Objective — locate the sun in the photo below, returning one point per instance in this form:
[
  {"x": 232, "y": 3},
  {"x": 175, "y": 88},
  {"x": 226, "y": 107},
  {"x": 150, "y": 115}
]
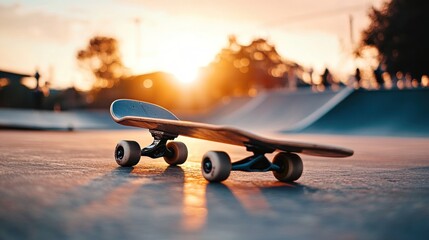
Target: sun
[
  {"x": 185, "y": 74},
  {"x": 185, "y": 65},
  {"x": 186, "y": 56},
  {"x": 183, "y": 56}
]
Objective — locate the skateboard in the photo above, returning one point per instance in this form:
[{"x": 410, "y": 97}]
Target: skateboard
[{"x": 216, "y": 166}]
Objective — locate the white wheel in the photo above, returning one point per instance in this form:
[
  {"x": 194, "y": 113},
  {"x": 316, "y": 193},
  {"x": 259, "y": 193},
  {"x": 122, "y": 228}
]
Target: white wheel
[
  {"x": 216, "y": 166},
  {"x": 180, "y": 153},
  {"x": 127, "y": 153},
  {"x": 291, "y": 167}
]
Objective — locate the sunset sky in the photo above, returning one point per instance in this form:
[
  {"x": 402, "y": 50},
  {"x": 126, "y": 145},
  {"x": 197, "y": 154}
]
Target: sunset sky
[{"x": 174, "y": 36}]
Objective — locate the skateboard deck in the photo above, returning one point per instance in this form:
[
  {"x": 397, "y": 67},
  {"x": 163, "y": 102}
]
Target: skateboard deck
[{"x": 155, "y": 118}]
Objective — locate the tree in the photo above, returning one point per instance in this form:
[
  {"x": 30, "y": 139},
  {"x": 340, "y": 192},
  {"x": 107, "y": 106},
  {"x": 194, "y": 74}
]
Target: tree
[
  {"x": 398, "y": 30},
  {"x": 243, "y": 69},
  {"x": 102, "y": 58}
]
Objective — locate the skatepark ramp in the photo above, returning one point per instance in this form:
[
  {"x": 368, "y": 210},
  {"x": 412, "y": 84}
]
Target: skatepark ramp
[
  {"x": 49, "y": 120},
  {"x": 281, "y": 110},
  {"x": 384, "y": 112},
  {"x": 355, "y": 112},
  {"x": 222, "y": 109}
]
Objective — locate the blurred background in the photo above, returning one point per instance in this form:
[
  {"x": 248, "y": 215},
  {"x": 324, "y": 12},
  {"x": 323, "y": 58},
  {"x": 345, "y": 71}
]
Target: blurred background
[
  {"x": 199, "y": 58},
  {"x": 321, "y": 71}
]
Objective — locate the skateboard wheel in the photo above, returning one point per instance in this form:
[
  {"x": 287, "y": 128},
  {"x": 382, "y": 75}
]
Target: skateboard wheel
[
  {"x": 291, "y": 167},
  {"x": 216, "y": 166},
  {"x": 127, "y": 153},
  {"x": 180, "y": 153}
]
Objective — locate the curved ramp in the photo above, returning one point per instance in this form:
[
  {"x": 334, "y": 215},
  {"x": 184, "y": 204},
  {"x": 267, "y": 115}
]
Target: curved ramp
[
  {"x": 49, "y": 120},
  {"x": 220, "y": 110},
  {"x": 383, "y": 112},
  {"x": 283, "y": 110}
]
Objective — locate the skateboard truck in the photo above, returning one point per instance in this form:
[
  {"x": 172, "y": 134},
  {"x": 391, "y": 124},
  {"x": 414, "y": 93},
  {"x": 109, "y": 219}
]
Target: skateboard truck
[
  {"x": 158, "y": 148},
  {"x": 256, "y": 163}
]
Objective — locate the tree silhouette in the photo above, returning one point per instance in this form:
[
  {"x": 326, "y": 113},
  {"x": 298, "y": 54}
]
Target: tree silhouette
[
  {"x": 240, "y": 69},
  {"x": 398, "y": 30},
  {"x": 102, "y": 58}
]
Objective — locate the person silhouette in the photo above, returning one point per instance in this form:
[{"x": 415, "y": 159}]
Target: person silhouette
[
  {"x": 378, "y": 74},
  {"x": 358, "y": 77},
  {"x": 38, "y": 93},
  {"x": 326, "y": 78}
]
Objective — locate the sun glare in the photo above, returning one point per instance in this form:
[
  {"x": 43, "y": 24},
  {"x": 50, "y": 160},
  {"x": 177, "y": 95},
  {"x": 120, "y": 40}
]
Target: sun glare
[
  {"x": 185, "y": 74},
  {"x": 185, "y": 61},
  {"x": 183, "y": 56}
]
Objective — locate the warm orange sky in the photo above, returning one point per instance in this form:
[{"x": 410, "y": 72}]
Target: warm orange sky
[{"x": 174, "y": 36}]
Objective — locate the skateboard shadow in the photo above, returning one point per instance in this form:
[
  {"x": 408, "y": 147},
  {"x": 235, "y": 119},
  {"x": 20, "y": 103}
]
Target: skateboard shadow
[
  {"x": 230, "y": 203},
  {"x": 182, "y": 200},
  {"x": 170, "y": 173},
  {"x": 173, "y": 171},
  {"x": 203, "y": 203},
  {"x": 122, "y": 171},
  {"x": 208, "y": 202},
  {"x": 268, "y": 190}
]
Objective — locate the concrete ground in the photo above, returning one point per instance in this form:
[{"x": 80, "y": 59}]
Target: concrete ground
[{"x": 56, "y": 185}]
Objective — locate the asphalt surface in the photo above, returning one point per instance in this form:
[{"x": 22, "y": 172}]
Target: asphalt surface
[{"x": 66, "y": 185}]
